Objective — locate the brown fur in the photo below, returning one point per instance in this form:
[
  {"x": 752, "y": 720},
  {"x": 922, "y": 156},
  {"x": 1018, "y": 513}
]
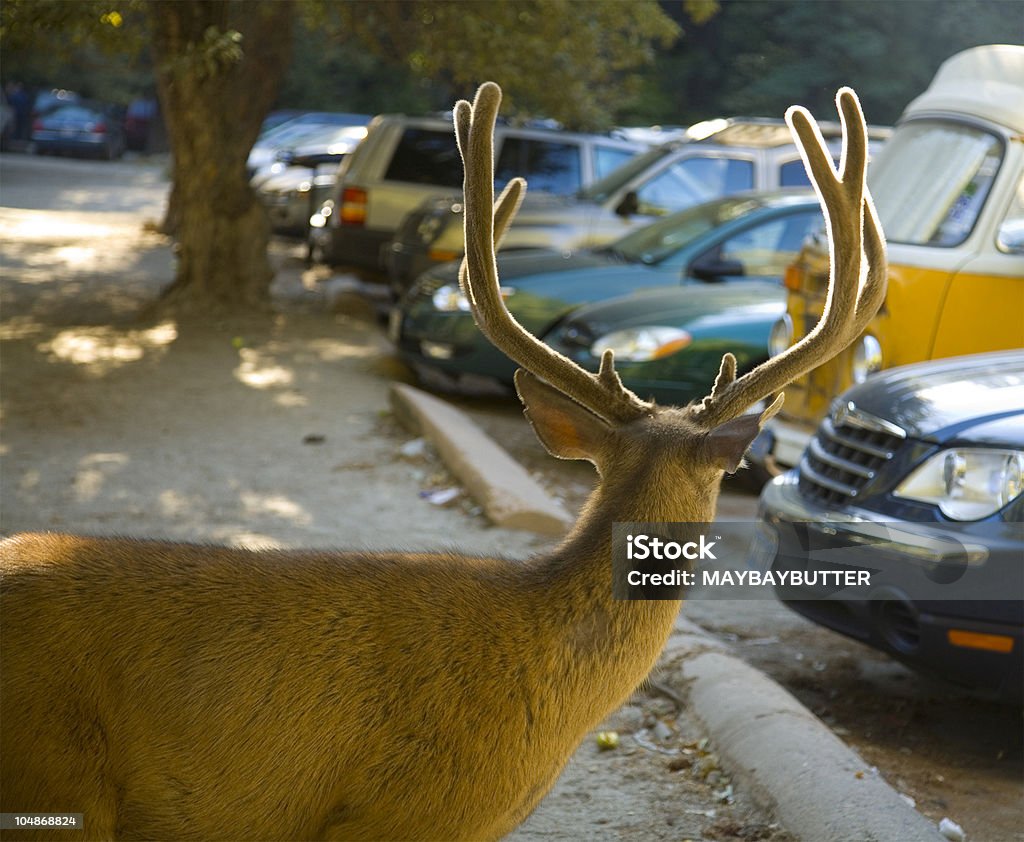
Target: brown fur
[{"x": 175, "y": 691}]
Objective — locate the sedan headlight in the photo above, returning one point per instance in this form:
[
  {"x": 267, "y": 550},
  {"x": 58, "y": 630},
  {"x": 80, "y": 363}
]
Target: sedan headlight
[
  {"x": 967, "y": 483},
  {"x": 450, "y": 298},
  {"x": 867, "y": 358},
  {"x": 640, "y": 344}
]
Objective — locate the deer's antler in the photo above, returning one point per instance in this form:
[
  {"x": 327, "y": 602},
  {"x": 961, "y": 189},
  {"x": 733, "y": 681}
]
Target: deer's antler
[
  {"x": 485, "y": 223},
  {"x": 854, "y": 234}
]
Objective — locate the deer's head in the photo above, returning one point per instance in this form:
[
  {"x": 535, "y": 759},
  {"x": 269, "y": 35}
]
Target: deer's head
[{"x": 683, "y": 450}]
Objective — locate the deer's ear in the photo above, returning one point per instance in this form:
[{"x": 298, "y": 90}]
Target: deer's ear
[
  {"x": 567, "y": 429},
  {"x": 727, "y": 443}
]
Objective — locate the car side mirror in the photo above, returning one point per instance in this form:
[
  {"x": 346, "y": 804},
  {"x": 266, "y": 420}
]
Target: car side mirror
[
  {"x": 713, "y": 269},
  {"x": 629, "y": 205}
]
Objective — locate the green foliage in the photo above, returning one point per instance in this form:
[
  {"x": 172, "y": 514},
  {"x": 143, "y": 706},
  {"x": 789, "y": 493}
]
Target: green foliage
[
  {"x": 758, "y": 58},
  {"x": 95, "y": 48},
  {"x": 217, "y": 51},
  {"x": 576, "y": 62}
]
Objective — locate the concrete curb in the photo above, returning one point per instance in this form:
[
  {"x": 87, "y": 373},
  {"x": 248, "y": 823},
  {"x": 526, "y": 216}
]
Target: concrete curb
[
  {"x": 818, "y": 787},
  {"x": 509, "y": 496}
]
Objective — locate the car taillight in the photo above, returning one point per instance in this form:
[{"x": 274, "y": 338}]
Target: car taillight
[
  {"x": 37, "y": 125},
  {"x": 353, "y": 206},
  {"x": 99, "y": 128}
]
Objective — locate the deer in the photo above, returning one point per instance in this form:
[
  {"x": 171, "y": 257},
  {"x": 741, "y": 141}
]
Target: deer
[{"x": 181, "y": 691}]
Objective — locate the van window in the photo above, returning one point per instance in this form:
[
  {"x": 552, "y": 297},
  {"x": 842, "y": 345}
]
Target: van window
[
  {"x": 692, "y": 181},
  {"x": 426, "y": 156},
  {"x": 548, "y": 166},
  {"x": 932, "y": 182}
]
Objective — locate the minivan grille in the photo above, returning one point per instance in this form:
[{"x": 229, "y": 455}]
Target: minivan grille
[{"x": 842, "y": 460}]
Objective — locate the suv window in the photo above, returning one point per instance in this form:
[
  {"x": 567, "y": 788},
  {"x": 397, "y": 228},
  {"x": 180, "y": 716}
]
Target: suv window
[
  {"x": 426, "y": 156},
  {"x": 609, "y": 158},
  {"x": 793, "y": 174},
  {"x": 946, "y": 171},
  {"x": 692, "y": 181},
  {"x": 548, "y": 166}
]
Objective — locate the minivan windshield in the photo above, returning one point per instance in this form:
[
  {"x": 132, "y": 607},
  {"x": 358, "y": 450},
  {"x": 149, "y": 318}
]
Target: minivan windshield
[
  {"x": 932, "y": 181},
  {"x": 660, "y": 240}
]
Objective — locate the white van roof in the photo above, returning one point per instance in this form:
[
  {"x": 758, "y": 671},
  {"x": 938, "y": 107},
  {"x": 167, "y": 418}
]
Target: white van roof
[{"x": 986, "y": 82}]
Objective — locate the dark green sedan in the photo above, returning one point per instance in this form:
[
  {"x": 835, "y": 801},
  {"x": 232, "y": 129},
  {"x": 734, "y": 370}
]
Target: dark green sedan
[
  {"x": 669, "y": 343},
  {"x": 706, "y": 249}
]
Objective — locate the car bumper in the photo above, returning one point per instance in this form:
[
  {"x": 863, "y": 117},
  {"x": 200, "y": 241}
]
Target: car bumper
[
  {"x": 960, "y": 640},
  {"x": 351, "y": 247},
  {"x": 449, "y": 353}
]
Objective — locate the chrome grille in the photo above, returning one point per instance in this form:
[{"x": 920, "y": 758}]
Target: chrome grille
[{"x": 844, "y": 457}]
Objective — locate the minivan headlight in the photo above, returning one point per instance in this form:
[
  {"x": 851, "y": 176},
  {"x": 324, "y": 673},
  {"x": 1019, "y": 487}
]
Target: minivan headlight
[
  {"x": 640, "y": 344},
  {"x": 967, "y": 483},
  {"x": 867, "y": 358}
]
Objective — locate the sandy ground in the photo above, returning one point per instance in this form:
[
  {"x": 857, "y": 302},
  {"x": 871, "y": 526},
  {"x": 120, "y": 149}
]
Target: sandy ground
[{"x": 277, "y": 433}]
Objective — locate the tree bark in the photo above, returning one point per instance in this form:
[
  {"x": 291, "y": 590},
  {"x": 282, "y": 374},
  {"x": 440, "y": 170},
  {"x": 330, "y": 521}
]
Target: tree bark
[{"x": 215, "y": 91}]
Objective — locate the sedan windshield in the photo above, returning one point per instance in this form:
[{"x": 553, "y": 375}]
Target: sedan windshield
[{"x": 658, "y": 241}]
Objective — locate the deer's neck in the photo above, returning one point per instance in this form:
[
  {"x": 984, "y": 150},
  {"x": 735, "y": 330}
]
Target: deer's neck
[{"x": 617, "y": 640}]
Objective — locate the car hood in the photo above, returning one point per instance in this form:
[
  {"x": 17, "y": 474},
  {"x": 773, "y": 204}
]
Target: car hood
[
  {"x": 694, "y": 306},
  {"x": 944, "y": 399},
  {"x": 288, "y": 178},
  {"x": 541, "y": 263}
]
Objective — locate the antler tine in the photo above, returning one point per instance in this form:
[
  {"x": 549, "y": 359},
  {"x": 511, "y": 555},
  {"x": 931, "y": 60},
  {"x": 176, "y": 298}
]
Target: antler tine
[
  {"x": 485, "y": 223},
  {"x": 855, "y": 239}
]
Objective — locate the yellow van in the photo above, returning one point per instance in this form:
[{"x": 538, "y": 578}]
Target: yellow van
[{"x": 949, "y": 188}]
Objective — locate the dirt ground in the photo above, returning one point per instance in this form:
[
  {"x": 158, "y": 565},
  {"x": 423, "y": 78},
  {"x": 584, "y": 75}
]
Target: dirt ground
[{"x": 276, "y": 432}]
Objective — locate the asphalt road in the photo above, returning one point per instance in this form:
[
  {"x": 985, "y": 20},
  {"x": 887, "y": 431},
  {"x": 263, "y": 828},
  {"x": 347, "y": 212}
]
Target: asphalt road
[{"x": 953, "y": 754}]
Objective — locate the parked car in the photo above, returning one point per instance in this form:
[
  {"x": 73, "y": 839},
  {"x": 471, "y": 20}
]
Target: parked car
[
  {"x": 916, "y": 476},
  {"x": 717, "y": 158},
  {"x": 949, "y": 190},
  {"x": 301, "y": 178},
  {"x": 739, "y": 238},
  {"x": 295, "y": 132},
  {"x": 80, "y": 128},
  {"x": 668, "y": 343},
  {"x": 405, "y": 160}
]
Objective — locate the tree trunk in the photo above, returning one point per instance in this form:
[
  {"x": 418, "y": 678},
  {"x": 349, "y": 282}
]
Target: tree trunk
[{"x": 215, "y": 89}]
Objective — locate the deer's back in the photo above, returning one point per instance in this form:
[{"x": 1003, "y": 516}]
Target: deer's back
[{"x": 178, "y": 690}]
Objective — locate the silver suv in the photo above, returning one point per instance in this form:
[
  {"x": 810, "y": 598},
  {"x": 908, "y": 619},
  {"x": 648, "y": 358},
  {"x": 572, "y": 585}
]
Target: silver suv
[
  {"x": 404, "y": 160},
  {"x": 717, "y": 158}
]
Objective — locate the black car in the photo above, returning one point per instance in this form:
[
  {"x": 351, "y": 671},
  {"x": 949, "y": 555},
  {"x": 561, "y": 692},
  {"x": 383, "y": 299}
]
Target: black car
[{"x": 915, "y": 480}]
